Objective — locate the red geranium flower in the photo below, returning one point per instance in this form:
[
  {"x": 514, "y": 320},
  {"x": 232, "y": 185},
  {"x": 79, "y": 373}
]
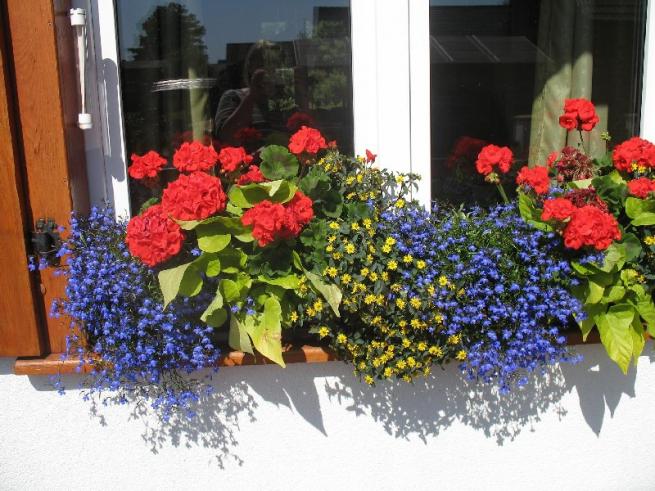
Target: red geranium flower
[
  {"x": 194, "y": 197},
  {"x": 306, "y": 140},
  {"x": 299, "y": 119},
  {"x": 465, "y": 152},
  {"x": 642, "y": 187},
  {"x": 557, "y": 209},
  {"x": 552, "y": 158},
  {"x": 300, "y": 212},
  {"x": 194, "y": 156},
  {"x": 144, "y": 166},
  {"x": 254, "y": 175},
  {"x": 579, "y": 114},
  {"x": 634, "y": 151},
  {"x": 232, "y": 157},
  {"x": 535, "y": 177},
  {"x": 153, "y": 237},
  {"x": 248, "y": 134},
  {"x": 370, "y": 156},
  {"x": 491, "y": 156},
  {"x": 591, "y": 227},
  {"x": 267, "y": 220}
]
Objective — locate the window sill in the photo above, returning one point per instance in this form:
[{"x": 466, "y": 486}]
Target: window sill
[{"x": 53, "y": 365}]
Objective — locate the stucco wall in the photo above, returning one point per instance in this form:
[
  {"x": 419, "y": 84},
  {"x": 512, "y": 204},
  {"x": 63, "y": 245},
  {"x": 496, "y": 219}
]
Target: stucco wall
[{"x": 317, "y": 427}]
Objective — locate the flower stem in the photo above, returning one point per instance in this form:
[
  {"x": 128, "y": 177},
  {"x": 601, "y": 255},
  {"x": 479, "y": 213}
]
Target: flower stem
[{"x": 501, "y": 190}]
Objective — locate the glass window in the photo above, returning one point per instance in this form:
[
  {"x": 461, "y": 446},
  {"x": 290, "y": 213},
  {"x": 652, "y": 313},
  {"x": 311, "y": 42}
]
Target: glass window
[
  {"x": 501, "y": 69},
  {"x": 236, "y": 73}
]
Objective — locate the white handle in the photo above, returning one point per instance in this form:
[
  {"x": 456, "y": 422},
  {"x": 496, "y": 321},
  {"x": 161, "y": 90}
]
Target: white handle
[{"x": 78, "y": 22}]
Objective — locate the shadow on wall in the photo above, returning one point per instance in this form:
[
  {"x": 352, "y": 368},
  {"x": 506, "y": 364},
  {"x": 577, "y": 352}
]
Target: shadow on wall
[{"x": 406, "y": 411}]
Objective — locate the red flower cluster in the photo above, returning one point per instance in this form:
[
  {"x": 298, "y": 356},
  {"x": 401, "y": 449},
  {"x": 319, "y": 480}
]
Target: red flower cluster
[
  {"x": 579, "y": 114},
  {"x": 465, "y": 151},
  {"x": 248, "y": 134},
  {"x": 153, "y": 237},
  {"x": 146, "y": 166},
  {"x": 272, "y": 221},
  {"x": 298, "y": 120},
  {"x": 588, "y": 225},
  {"x": 491, "y": 156},
  {"x": 584, "y": 197},
  {"x": 370, "y": 156},
  {"x": 535, "y": 177},
  {"x": 642, "y": 187},
  {"x": 634, "y": 151},
  {"x": 306, "y": 140},
  {"x": 254, "y": 175},
  {"x": 194, "y": 156},
  {"x": 557, "y": 209},
  {"x": 194, "y": 197},
  {"x": 592, "y": 227},
  {"x": 232, "y": 157}
]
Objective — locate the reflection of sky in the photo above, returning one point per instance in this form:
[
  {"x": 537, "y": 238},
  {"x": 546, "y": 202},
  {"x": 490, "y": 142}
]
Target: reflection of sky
[
  {"x": 228, "y": 21},
  {"x": 467, "y": 3}
]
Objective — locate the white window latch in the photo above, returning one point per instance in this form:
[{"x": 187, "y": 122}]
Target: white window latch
[{"x": 78, "y": 22}]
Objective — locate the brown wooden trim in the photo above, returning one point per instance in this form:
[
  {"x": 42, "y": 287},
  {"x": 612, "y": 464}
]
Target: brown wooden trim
[
  {"x": 53, "y": 365},
  {"x": 20, "y": 327},
  {"x": 46, "y": 90}
]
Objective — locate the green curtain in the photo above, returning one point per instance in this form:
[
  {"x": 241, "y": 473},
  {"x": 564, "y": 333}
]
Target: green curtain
[{"x": 564, "y": 70}]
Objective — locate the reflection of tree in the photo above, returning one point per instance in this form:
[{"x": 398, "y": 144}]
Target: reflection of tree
[{"x": 174, "y": 37}]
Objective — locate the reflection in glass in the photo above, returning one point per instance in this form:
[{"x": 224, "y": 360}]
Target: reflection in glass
[
  {"x": 501, "y": 69},
  {"x": 232, "y": 73}
]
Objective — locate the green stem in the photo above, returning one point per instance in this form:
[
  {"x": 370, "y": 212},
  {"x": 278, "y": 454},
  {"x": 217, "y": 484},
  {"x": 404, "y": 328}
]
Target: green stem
[{"x": 501, "y": 190}]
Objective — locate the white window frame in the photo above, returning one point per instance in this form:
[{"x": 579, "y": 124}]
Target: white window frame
[{"x": 391, "y": 92}]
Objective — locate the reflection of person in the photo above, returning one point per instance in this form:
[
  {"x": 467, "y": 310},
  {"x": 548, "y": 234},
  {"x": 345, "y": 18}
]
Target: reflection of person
[{"x": 248, "y": 107}]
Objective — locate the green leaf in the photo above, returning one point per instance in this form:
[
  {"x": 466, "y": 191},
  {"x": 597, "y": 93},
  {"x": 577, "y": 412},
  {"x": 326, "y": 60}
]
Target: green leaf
[
  {"x": 638, "y": 339},
  {"x": 588, "y": 324},
  {"x": 530, "y": 214},
  {"x": 315, "y": 183},
  {"x": 216, "y": 304},
  {"x": 594, "y": 292},
  {"x": 331, "y": 204},
  {"x": 642, "y": 211},
  {"x": 147, "y": 204},
  {"x": 237, "y": 337},
  {"x": 612, "y": 189},
  {"x": 211, "y": 242},
  {"x": 619, "y": 253},
  {"x": 232, "y": 260},
  {"x": 267, "y": 333},
  {"x": 613, "y": 294},
  {"x": 581, "y": 184},
  {"x": 646, "y": 310},
  {"x": 249, "y": 195},
  {"x": 235, "y": 290},
  {"x": 290, "y": 282},
  {"x": 331, "y": 293},
  {"x": 615, "y": 333},
  {"x": 588, "y": 269},
  {"x": 297, "y": 262},
  {"x": 182, "y": 279},
  {"x": 213, "y": 267},
  {"x": 217, "y": 318},
  {"x": 278, "y": 163}
]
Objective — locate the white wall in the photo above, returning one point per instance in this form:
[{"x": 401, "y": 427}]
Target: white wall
[{"x": 316, "y": 427}]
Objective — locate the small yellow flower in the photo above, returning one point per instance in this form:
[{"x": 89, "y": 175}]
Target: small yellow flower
[
  {"x": 411, "y": 362},
  {"x": 443, "y": 281},
  {"x": 350, "y": 248},
  {"x": 436, "y": 351},
  {"x": 293, "y": 317},
  {"x": 392, "y": 265},
  {"x": 420, "y": 264},
  {"x": 337, "y": 256},
  {"x": 400, "y": 203},
  {"x": 400, "y": 179},
  {"x": 650, "y": 240},
  {"x": 390, "y": 241},
  {"x": 388, "y": 372},
  {"x": 400, "y": 364},
  {"x": 331, "y": 272},
  {"x": 323, "y": 331},
  {"x": 371, "y": 248},
  {"x": 406, "y": 343},
  {"x": 354, "y": 226},
  {"x": 318, "y": 305},
  {"x": 431, "y": 290},
  {"x": 371, "y": 232},
  {"x": 422, "y": 346},
  {"x": 360, "y": 178},
  {"x": 369, "y": 299},
  {"x": 402, "y": 323},
  {"x": 385, "y": 276},
  {"x": 350, "y": 195},
  {"x": 438, "y": 318},
  {"x": 367, "y": 223},
  {"x": 386, "y": 248},
  {"x": 350, "y": 180},
  {"x": 408, "y": 259},
  {"x": 379, "y": 300},
  {"x": 407, "y": 378},
  {"x": 334, "y": 226},
  {"x": 415, "y": 302},
  {"x": 369, "y": 380},
  {"x": 345, "y": 278},
  {"x": 331, "y": 238},
  {"x": 373, "y": 276},
  {"x": 341, "y": 338},
  {"x": 364, "y": 272},
  {"x": 310, "y": 312},
  {"x": 369, "y": 258},
  {"x": 415, "y": 323},
  {"x": 362, "y": 365},
  {"x": 396, "y": 288},
  {"x": 454, "y": 339},
  {"x": 329, "y": 248},
  {"x": 461, "y": 355}
]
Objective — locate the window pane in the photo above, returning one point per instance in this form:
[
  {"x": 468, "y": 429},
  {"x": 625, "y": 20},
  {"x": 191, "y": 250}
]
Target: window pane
[
  {"x": 238, "y": 73},
  {"x": 501, "y": 69}
]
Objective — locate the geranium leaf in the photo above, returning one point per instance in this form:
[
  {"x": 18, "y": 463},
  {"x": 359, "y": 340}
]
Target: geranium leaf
[
  {"x": 290, "y": 282},
  {"x": 213, "y": 267},
  {"x": 588, "y": 324},
  {"x": 215, "y": 304},
  {"x": 646, "y": 310},
  {"x": 331, "y": 293},
  {"x": 182, "y": 279},
  {"x": 638, "y": 340},
  {"x": 615, "y": 333},
  {"x": 249, "y": 195},
  {"x": 267, "y": 333},
  {"x": 212, "y": 237},
  {"x": 238, "y": 337},
  {"x": 278, "y": 163},
  {"x": 217, "y": 318}
]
